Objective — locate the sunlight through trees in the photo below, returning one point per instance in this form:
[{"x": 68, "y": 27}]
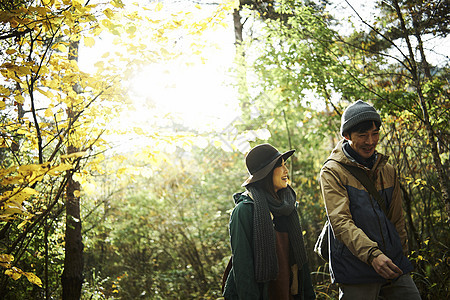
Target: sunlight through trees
[{"x": 124, "y": 127}]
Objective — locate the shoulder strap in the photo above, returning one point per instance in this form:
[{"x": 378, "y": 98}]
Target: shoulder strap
[
  {"x": 361, "y": 175},
  {"x": 226, "y": 272}
]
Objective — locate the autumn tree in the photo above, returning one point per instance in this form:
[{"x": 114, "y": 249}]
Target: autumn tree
[
  {"x": 40, "y": 81},
  {"x": 54, "y": 118}
]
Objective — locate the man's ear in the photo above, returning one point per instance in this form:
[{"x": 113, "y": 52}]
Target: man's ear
[{"x": 347, "y": 136}]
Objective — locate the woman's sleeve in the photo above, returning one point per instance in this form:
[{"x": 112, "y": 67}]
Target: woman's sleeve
[
  {"x": 241, "y": 232},
  {"x": 307, "y": 286}
]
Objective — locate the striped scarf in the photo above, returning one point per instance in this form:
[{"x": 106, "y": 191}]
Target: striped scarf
[{"x": 265, "y": 255}]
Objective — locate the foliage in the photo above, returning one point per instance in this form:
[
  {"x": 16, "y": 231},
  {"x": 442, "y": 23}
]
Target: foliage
[
  {"x": 155, "y": 221},
  {"x": 167, "y": 239}
]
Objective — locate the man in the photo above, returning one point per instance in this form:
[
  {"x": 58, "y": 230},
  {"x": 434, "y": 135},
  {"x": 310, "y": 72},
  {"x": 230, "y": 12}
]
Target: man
[{"x": 368, "y": 244}]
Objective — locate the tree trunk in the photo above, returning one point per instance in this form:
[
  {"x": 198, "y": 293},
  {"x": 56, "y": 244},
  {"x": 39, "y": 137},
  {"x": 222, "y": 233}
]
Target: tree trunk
[
  {"x": 237, "y": 27},
  {"x": 72, "y": 277},
  {"x": 46, "y": 283}
]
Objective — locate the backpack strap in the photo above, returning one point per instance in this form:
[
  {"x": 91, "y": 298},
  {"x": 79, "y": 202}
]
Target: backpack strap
[{"x": 226, "y": 273}]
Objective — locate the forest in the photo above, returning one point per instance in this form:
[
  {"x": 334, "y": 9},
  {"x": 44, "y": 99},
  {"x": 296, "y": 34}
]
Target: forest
[{"x": 103, "y": 196}]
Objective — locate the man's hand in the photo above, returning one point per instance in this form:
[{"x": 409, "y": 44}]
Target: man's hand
[{"x": 384, "y": 266}]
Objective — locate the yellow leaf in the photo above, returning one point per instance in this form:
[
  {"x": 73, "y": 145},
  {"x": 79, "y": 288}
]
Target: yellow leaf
[
  {"x": 41, "y": 10},
  {"x": 60, "y": 168},
  {"x": 100, "y": 157},
  {"x": 159, "y": 6},
  {"x": 89, "y": 41},
  {"x": 234, "y": 4},
  {"x": 99, "y": 65},
  {"x": 33, "y": 278},
  {"x": 29, "y": 168},
  {"x": 6, "y": 258},
  {"x": 29, "y": 191},
  {"x": 107, "y": 23},
  {"x": 4, "y": 91},
  {"x": 48, "y": 112},
  {"x": 22, "y": 224},
  {"x": 164, "y": 52},
  {"x": 76, "y": 193},
  {"x": 19, "y": 99},
  {"x": 121, "y": 171},
  {"x": 61, "y": 48},
  {"x": 22, "y": 131},
  {"x": 118, "y": 3},
  {"x": 73, "y": 155},
  {"x": 18, "y": 196},
  {"x": 14, "y": 273},
  {"x": 48, "y": 2},
  {"x": 138, "y": 130},
  {"x": 2, "y": 105},
  {"x": 74, "y": 64},
  {"x": 109, "y": 13},
  {"x": 131, "y": 29},
  {"x": 10, "y": 51},
  {"x": 46, "y": 93}
]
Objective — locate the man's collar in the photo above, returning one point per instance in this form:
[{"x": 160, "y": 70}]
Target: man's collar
[{"x": 351, "y": 153}]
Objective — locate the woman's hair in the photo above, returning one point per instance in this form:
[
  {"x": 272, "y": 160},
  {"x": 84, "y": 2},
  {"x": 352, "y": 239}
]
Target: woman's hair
[{"x": 267, "y": 182}]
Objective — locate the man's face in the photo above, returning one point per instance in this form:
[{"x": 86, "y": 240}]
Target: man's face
[{"x": 364, "y": 143}]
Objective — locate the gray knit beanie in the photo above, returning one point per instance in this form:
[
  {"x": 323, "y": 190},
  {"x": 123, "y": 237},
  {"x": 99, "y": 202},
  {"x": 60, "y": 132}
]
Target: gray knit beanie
[{"x": 356, "y": 113}]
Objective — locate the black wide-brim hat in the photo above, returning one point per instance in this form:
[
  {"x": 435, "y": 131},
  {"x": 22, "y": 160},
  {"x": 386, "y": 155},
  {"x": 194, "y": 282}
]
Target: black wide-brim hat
[{"x": 261, "y": 159}]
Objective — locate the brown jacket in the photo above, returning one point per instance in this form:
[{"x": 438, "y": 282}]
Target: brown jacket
[{"x": 358, "y": 222}]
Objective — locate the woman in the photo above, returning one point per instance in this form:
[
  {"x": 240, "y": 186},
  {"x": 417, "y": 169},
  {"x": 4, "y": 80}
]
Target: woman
[{"x": 269, "y": 258}]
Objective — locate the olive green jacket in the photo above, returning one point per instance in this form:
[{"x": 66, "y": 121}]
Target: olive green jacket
[{"x": 241, "y": 282}]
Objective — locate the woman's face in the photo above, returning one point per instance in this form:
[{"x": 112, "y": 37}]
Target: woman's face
[{"x": 280, "y": 177}]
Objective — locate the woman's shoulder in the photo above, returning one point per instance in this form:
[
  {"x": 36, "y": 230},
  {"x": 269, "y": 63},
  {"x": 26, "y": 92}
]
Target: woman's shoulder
[
  {"x": 243, "y": 205},
  {"x": 244, "y": 198},
  {"x": 243, "y": 212}
]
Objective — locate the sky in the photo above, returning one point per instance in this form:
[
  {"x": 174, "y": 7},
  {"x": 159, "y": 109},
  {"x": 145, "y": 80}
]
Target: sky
[
  {"x": 190, "y": 91},
  {"x": 195, "y": 94}
]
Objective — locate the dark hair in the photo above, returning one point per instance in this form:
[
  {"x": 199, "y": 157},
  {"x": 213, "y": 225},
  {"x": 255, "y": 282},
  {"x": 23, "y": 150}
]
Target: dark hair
[
  {"x": 267, "y": 182},
  {"x": 363, "y": 127}
]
